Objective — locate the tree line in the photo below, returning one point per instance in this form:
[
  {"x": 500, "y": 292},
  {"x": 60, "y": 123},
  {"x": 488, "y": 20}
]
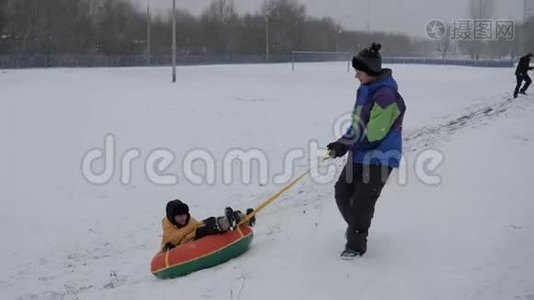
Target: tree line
[{"x": 116, "y": 27}]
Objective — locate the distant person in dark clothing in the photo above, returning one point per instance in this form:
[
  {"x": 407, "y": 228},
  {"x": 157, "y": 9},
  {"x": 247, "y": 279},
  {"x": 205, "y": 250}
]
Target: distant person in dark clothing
[{"x": 521, "y": 73}]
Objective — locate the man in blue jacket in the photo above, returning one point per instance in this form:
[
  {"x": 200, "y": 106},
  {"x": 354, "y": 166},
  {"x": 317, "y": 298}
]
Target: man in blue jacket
[{"x": 375, "y": 142}]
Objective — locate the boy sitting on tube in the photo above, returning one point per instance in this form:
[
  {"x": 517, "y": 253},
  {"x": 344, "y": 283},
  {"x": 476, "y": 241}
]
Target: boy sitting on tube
[{"x": 180, "y": 228}]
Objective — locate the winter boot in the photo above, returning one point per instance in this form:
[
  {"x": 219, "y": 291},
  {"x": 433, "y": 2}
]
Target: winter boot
[
  {"x": 356, "y": 244},
  {"x": 349, "y": 254},
  {"x": 222, "y": 225},
  {"x": 239, "y": 216},
  {"x": 252, "y": 220},
  {"x": 231, "y": 217}
]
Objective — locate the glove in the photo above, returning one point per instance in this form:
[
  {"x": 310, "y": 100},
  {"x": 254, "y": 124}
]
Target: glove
[
  {"x": 337, "y": 149},
  {"x": 168, "y": 247},
  {"x": 252, "y": 220}
]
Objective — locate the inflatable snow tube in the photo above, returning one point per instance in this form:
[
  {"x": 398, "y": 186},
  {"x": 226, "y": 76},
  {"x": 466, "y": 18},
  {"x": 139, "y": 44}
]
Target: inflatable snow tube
[{"x": 201, "y": 254}]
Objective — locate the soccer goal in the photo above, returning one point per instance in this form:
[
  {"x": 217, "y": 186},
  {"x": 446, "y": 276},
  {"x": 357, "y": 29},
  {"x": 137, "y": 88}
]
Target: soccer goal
[{"x": 318, "y": 56}]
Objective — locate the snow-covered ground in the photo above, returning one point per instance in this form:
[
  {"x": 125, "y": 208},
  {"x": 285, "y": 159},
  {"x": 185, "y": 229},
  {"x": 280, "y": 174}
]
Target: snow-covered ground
[{"x": 468, "y": 237}]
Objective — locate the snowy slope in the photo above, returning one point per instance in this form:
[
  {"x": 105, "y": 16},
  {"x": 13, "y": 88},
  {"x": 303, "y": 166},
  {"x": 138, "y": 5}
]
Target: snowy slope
[{"x": 63, "y": 238}]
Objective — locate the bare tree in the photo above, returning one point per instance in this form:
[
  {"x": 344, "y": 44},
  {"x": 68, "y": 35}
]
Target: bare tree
[
  {"x": 479, "y": 10},
  {"x": 2, "y": 14},
  {"x": 287, "y": 22},
  {"x": 220, "y": 27},
  {"x": 444, "y": 45},
  {"x": 220, "y": 11},
  {"x": 115, "y": 27},
  {"x": 525, "y": 35},
  {"x": 4, "y": 34},
  {"x": 482, "y": 9}
]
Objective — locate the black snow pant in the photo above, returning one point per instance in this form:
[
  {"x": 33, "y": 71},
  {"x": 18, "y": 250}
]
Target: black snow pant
[
  {"x": 520, "y": 78},
  {"x": 356, "y": 192}
]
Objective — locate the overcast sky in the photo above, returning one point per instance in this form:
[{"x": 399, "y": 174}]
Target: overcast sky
[{"x": 404, "y": 16}]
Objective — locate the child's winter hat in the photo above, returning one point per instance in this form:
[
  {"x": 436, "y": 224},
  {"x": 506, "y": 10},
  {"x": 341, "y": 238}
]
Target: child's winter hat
[
  {"x": 176, "y": 207},
  {"x": 369, "y": 60}
]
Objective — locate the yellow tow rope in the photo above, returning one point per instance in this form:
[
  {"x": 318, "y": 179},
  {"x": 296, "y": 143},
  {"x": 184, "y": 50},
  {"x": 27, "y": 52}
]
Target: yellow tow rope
[{"x": 277, "y": 194}]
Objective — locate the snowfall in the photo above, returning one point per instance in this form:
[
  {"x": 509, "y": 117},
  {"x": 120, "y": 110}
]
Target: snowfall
[{"x": 457, "y": 222}]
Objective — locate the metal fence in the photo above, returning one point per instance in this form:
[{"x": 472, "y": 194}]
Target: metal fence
[
  {"x": 317, "y": 56},
  {"x": 73, "y": 61},
  {"x": 498, "y": 63}
]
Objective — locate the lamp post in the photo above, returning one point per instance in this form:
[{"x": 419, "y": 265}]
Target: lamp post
[
  {"x": 148, "y": 33},
  {"x": 173, "y": 40},
  {"x": 267, "y": 38},
  {"x": 339, "y": 32}
]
